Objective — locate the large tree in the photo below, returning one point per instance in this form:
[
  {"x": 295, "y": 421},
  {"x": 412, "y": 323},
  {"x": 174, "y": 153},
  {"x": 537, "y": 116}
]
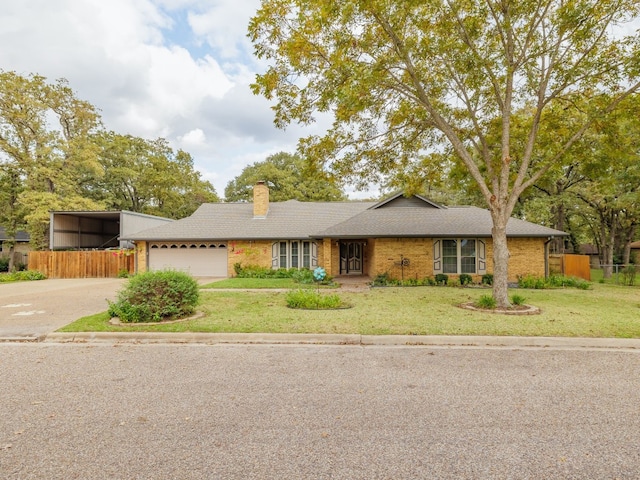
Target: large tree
[
  {"x": 611, "y": 192},
  {"x": 288, "y": 177},
  {"x": 403, "y": 78},
  {"x": 45, "y": 151},
  {"x": 147, "y": 176}
]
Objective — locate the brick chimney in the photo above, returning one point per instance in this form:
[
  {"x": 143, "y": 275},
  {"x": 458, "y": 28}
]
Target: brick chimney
[{"x": 260, "y": 200}]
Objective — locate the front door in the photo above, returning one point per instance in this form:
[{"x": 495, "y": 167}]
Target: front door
[{"x": 351, "y": 256}]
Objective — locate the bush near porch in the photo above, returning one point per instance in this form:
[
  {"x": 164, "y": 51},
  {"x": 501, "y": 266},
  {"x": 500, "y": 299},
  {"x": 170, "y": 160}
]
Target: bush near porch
[{"x": 302, "y": 275}]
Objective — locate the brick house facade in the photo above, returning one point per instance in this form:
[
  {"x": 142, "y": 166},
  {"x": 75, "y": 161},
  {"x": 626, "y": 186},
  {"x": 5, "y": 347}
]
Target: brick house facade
[{"x": 405, "y": 237}]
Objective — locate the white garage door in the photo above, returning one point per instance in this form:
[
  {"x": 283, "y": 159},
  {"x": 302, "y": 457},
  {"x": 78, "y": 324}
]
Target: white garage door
[{"x": 198, "y": 259}]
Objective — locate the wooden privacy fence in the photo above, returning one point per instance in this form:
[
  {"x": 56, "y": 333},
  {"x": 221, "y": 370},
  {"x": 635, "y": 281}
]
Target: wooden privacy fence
[
  {"x": 81, "y": 264},
  {"x": 571, "y": 265}
]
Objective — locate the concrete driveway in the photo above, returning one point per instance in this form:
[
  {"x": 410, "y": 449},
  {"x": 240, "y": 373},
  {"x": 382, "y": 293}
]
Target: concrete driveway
[{"x": 33, "y": 309}]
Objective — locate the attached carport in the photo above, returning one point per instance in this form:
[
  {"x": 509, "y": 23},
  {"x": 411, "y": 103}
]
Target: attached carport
[
  {"x": 200, "y": 259},
  {"x": 95, "y": 230}
]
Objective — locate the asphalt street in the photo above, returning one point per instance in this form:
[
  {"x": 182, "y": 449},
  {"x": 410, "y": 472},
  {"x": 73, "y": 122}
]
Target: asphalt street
[{"x": 126, "y": 411}]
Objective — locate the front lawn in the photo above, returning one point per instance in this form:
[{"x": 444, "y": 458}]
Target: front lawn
[{"x": 604, "y": 311}]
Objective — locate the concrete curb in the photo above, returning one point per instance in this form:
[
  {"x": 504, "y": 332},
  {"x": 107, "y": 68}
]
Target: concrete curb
[
  {"x": 22, "y": 339},
  {"x": 631, "y": 344}
]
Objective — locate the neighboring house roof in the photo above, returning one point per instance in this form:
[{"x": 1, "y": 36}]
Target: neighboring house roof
[
  {"x": 588, "y": 249},
  {"x": 21, "y": 236},
  {"x": 635, "y": 245},
  {"x": 235, "y": 221},
  {"x": 393, "y": 217}
]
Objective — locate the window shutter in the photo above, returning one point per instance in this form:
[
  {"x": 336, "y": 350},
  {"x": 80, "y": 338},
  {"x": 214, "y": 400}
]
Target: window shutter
[
  {"x": 314, "y": 255},
  {"x": 275, "y": 251},
  {"x": 437, "y": 257},
  {"x": 482, "y": 257}
]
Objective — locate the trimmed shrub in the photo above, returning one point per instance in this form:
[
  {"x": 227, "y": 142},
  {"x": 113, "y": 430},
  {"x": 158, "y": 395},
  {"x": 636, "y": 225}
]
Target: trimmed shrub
[
  {"x": 255, "y": 271},
  {"x": 442, "y": 279},
  {"x": 487, "y": 279},
  {"x": 465, "y": 279},
  {"x": 313, "y": 300},
  {"x": 156, "y": 296}
]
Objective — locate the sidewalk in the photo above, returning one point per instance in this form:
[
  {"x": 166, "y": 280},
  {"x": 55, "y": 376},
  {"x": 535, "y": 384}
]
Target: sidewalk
[{"x": 442, "y": 341}]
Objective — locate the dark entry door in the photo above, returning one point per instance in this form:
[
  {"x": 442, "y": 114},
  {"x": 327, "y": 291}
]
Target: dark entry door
[{"x": 351, "y": 258}]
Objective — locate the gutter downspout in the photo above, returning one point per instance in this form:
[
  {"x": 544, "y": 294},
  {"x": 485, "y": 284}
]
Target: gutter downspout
[{"x": 546, "y": 256}]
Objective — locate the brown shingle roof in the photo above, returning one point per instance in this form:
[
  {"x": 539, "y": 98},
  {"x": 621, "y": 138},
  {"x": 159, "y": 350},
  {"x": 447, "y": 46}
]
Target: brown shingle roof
[
  {"x": 21, "y": 235},
  {"x": 430, "y": 222},
  {"x": 299, "y": 220},
  {"x": 234, "y": 221}
]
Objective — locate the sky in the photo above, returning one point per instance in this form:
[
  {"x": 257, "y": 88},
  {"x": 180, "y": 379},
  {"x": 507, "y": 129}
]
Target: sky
[{"x": 177, "y": 69}]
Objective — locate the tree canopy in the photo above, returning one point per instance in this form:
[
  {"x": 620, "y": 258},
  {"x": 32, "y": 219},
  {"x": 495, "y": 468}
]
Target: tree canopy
[
  {"x": 55, "y": 155},
  {"x": 288, "y": 177},
  {"x": 43, "y": 163},
  {"x": 405, "y": 79},
  {"x": 147, "y": 176}
]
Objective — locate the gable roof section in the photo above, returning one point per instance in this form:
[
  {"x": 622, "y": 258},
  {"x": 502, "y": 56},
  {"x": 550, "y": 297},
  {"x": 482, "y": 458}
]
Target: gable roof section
[
  {"x": 235, "y": 221},
  {"x": 399, "y": 200},
  {"x": 430, "y": 222}
]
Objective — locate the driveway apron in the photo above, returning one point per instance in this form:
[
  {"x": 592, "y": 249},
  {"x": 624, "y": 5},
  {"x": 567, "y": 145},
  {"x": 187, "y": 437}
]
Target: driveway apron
[{"x": 33, "y": 309}]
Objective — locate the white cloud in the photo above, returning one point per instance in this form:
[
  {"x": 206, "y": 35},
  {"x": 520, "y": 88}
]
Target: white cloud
[
  {"x": 178, "y": 69},
  {"x": 226, "y": 37},
  {"x": 193, "y": 138}
]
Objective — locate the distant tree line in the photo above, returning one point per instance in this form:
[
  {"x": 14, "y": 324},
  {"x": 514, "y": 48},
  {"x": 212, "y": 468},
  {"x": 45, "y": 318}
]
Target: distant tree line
[{"x": 56, "y": 155}]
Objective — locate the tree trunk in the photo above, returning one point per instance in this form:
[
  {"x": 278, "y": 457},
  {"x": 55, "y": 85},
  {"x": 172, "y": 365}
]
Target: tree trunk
[
  {"x": 628, "y": 238},
  {"x": 12, "y": 262},
  {"x": 608, "y": 237},
  {"x": 500, "y": 264}
]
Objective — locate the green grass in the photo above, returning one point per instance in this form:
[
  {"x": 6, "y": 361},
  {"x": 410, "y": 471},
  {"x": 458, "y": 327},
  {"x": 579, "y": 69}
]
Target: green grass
[
  {"x": 314, "y": 300},
  {"x": 597, "y": 276},
  {"x": 604, "y": 311},
  {"x": 266, "y": 283},
  {"x": 21, "y": 276}
]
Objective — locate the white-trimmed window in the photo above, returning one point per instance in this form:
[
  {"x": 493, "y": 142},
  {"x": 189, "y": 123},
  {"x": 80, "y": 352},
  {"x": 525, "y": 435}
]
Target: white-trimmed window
[
  {"x": 459, "y": 255},
  {"x": 294, "y": 254}
]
